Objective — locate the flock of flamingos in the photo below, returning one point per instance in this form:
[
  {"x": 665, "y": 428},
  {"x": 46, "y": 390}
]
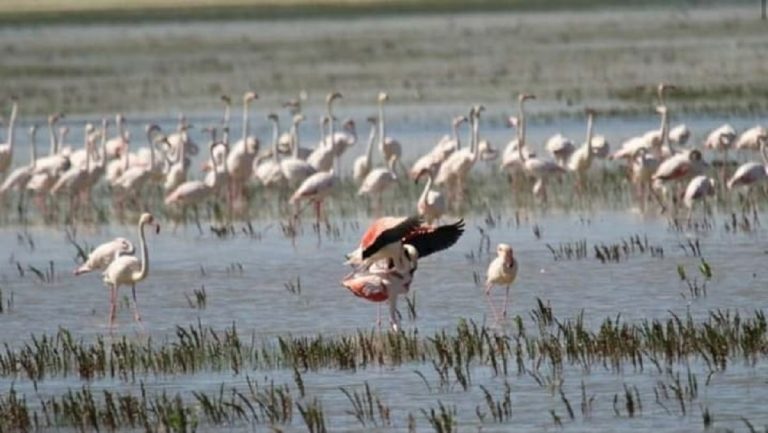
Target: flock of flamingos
[{"x": 659, "y": 168}]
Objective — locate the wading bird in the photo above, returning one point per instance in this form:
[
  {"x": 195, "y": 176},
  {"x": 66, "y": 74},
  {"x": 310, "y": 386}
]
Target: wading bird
[
  {"x": 101, "y": 256},
  {"x": 502, "y": 271},
  {"x": 128, "y": 270}
]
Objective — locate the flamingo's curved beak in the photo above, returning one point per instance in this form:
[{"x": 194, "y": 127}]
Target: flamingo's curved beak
[{"x": 157, "y": 228}]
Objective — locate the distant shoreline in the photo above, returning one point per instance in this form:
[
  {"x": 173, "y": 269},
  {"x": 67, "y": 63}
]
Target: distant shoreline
[{"x": 64, "y": 12}]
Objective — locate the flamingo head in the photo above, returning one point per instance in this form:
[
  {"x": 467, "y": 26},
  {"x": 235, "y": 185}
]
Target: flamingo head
[
  {"x": 458, "y": 120},
  {"x": 512, "y": 121},
  {"x": 487, "y": 152},
  {"x": 589, "y": 111},
  {"x": 332, "y": 97},
  {"x": 661, "y": 109},
  {"x": 298, "y": 118},
  {"x": 695, "y": 155},
  {"x": 383, "y": 97},
  {"x": 126, "y": 246},
  {"x": 226, "y": 99},
  {"x": 250, "y": 96},
  {"x": 349, "y": 124},
  {"x": 525, "y": 96},
  {"x": 147, "y": 218},
  {"x": 505, "y": 252},
  {"x": 372, "y": 120},
  {"x": 273, "y": 117}
]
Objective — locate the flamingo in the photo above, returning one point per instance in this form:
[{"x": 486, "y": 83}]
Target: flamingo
[
  {"x": 315, "y": 189},
  {"x": 129, "y": 270},
  {"x": 98, "y": 167},
  {"x": 561, "y": 148},
  {"x": 510, "y": 158},
  {"x": 180, "y": 139},
  {"x": 388, "y": 146},
  {"x": 332, "y": 145},
  {"x": 194, "y": 192},
  {"x": 269, "y": 172},
  {"x": 643, "y": 166},
  {"x": 538, "y": 168},
  {"x": 379, "y": 180},
  {"x": 750, "y": 174},
  {"x": 581, "y": 160},
  {"x": 382, "y": 283},
  {"x": 6, "y": 150},
  {"x": 502, "y": 271},
  {"x": 433, "y": 159},
  {"x": 384, "y": 238},
  {"x": 119, "y": 143},
  {"x": 295, "y": 168},
  {"x": 750, "y": 139},
  {"x": 456, "y": 168},
  {"x": 104, "y": 254},
  {"x": 135, "y": 177},
  {"x": 20, "y": 176},
  {"x": 431, "y": 203},
  {"x": 679, "y": 134},
  {"x": 242, "y": 153},
  {"x": 721, "y": 140},
  {"x": 362, "y": 165},
  {"x": 49, "y": 168},
  {"x": 698, "y": 189},
  {"x": 74, "y": 180},
  {"x": 176, "y": 174},
  {"x": 385, "y": 277}
]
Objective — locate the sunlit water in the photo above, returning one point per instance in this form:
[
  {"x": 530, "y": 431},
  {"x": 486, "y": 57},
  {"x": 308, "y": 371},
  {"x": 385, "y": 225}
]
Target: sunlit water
[{"x": 245, "y": 278}]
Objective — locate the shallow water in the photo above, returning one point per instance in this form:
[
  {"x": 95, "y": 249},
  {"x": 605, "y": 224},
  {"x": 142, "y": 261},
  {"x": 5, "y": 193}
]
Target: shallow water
[{"x": 255, "y": 299}]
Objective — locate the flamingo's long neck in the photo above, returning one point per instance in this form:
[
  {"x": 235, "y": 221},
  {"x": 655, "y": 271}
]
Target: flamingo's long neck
[
  {"x": 87, "y": 152},
  {"x": 33, "y": 148},
  {"x": 664, "y": 131},
  {"x": 427, "y": 187},
  {"x": 295, "y": 140},
  {"x": 246, "y": 126},
  {"x": 275, "y": 138},
  {"x": 521, "y": 130},
  {"x": 138, "y": 276},
  {"x": 455, "y": 132},
  {"x": 590, "y": 121},
  {"x": 369, "y": 149},
  {"x": 103, "y": 158},
  {"x": 225, "y": 135},
  {"x": 12, "y": 126},
  {"x": 330, "y": 124},
  {"x": 151, "y": 149},
  {"x": 52, "y": 133},
  {"x": 62, "y": 136},
  {"x": 475, "y": 137},
  {"x": 381, "y": 125},
  {"x": 764, "y": 150}
]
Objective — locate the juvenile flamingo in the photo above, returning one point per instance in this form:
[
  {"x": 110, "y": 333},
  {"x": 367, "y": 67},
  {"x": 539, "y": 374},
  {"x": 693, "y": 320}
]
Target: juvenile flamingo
[
  {"x": 128, "y": 270},
  {"x": 502, "y": 271}
]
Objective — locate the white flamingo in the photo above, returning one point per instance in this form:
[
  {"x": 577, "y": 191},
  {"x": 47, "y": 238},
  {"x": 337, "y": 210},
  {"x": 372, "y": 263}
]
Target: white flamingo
[
  {"x": 378, "y": 181},
  {"x": 537, "y": 168},
  {"x": 195, "y": 192},
  {"x": 362, "y": 165},
  {"x": 456, "y": 168},
  {"x": 269, "y": 172},
  {"x": 295, "y": 168},
  {"x": 20, "y": 176},
  {"x": 73, "y": 182},
  {"x": 433, "y": 159},
  {"x": 388, "y": 146},
  {"x": 135, "y": 177},
  {"x": 104, "y": 254},
  {"x": 750, "y": 174},
  {"x": 322, "y": 156},
  {"x": 242, "y": 153},
  {"x": 581, "y": 159},
  {"x": 431, "y": 203},
  {"x": 698, "y": 189},
  {"x": 510, "y": 158},
  {"x": 128, "y": 270},
  {"x": 561, "y": 148},
  {"x": 120, "y": 142},
  {"x": 6, "y": 149}
]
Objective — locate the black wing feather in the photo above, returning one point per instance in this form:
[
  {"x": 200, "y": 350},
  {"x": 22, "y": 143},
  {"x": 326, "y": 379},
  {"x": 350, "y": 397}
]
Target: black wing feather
[
  {"x": 395, "y": 234},
  {"x": 430, "y": 242}
]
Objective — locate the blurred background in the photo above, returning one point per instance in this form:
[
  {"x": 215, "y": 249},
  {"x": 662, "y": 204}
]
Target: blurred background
[{"x": 165, "y": 56}]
